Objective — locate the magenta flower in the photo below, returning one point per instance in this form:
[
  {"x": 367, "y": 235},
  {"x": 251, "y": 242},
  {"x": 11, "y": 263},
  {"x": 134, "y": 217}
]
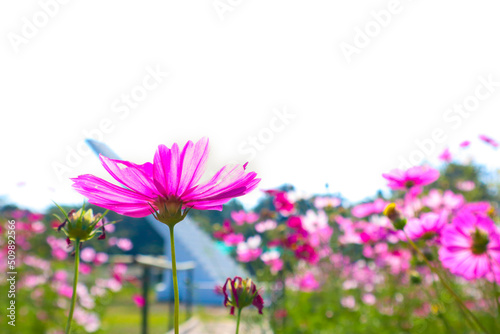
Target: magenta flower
[
  {"x": 308, "y": 282},
  {"x": 367, "y": 209},
  {"x": 446, "y": 155},
  {"x": 426, "y": 227},
  {"x": 241, "y": 217},
  {"x": 471, "y": 246},
  {"x": 489, "y": 140},
  {"x": 167, "y": 186},
  {"x": 139, "y": 300},
  {"x": 226, "y": 229},
  {"x": 413, "y": 177},
  {"x": 465, "y": 144},
  {"x": 233, "y": 239}
]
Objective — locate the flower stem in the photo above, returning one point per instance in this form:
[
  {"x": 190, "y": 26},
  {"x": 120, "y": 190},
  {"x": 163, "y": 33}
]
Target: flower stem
[
  {"x": 75, "y": 283},
  {"x": 238, "y": 321},
  {"x": 445, "y": 284},
  {"x": 175, "y": 286}
]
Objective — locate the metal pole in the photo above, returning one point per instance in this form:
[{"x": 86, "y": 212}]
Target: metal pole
[{"x": 145, "y": 288}]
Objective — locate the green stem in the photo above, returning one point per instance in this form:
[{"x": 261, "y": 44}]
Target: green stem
[
  {"x": 174, "y": 277},
  {"x": 75, "y": 283},
  {"x": 445, "y": 284},
  {"x": 495, "y": 286},
  {"x": 238, "y": 321}
]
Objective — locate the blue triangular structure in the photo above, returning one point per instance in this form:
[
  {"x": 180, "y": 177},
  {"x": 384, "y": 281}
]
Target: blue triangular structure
[{"x": 213, "y": 266}]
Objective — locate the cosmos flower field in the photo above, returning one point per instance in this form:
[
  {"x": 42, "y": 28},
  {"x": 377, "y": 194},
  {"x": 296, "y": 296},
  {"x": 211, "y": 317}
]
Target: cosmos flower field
[{"x": 423, "y": 257}]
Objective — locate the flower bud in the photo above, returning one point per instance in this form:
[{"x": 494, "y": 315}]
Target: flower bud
[
  {"x": 415, "y": 277},
  {"x": 81, "y": 225},
  {"x": 242, "y": 293},
  {"x": 394, "y": 216}
]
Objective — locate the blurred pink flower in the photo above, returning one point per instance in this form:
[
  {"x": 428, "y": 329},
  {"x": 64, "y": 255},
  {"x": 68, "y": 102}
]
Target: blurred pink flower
[
  {"x": 88, "y": 254},
  {"x": 348, "y": 302},
  {"x": 465, "y": 144},
  {"x": 281, "y": 202},
  {"x": 38, "y": 227},
  {"x": 308, "y": 253},
  {"x": 275, "y": 264},
  {"x": 427, "y": 226},
  {"x": 85, "y": 268},
  {"x": 59, "y": 253},
  {"x": 367, "y": 209},
  {"x": 324, "y": 202},
  {"x": 233, "y": 239},
  {"x": 226, "y": 229},
  {"x": 249, "y": 251},
  {"x": 414, "y": 177},
  {"x": 241, "y": 217},
  {"x": 466, "y": 185},
  {"x": 308, "y": 282},
  {"x": 100, "y": 258},
  {"x": 171, "y": 179},
  {"x": 139, "y": 300},
  {"x": 65, "y": 291},
  {"x": 368, "y": 299},
  {"x": 489, "y": 140},
  {"x": 446, "y": 155},
  {"x": 265, "y": 226},
  {"x": 124, "y": 244},
  {"x": 471, "y": 246},
  {"x": 60, "y": 276},
  {"x": 248, "y": 255}
]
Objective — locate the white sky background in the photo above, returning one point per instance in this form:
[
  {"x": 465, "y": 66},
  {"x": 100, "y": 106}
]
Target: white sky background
[{"x": 352, "y": 120}]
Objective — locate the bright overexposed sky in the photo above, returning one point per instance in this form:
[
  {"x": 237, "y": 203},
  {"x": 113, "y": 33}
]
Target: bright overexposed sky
[{"x": 310, "y": 92}]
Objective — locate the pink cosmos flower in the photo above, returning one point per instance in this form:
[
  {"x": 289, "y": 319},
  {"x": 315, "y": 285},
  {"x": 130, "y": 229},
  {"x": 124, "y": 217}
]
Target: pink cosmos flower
[
  {"x": 85, "y": 269},
  {"x": 100, "y": 258},
  {"x": 266, "y": 226},
  {"x": 65, "y": 290},
  {"x": 88, "y": 254},
  {"x": 466, "y": 185},
  {"x": 241, "y": 217},
  {"x": 446, "y": 155},
  {"x": 325, "y": 202},
  {"x": 167, "y": 186},
  {"x": 139, "y": 300},
  {"x": 471, "y": 246},
  {"x": 367, "y": 209},
  {"x": 308, "y": 253},
  {"x": 281, "y": 202},
  {"x": 233, "y": 239},
  {"x": 249, "y": 251},
  {"x": 465, "y": 144},
  {"x": 348, "y": 302},
  {"x": 489, "y": 140},
  {"x": 427, "y": 226},
  {"x": 124, "y": 244},
  {"x": 225, "y": 230},
  {"x": 272, "y": 259},
  {"x": 413, "y": 177},
  {"x": 248, "y": 254},
  {"x": 308, "y": 282}
]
